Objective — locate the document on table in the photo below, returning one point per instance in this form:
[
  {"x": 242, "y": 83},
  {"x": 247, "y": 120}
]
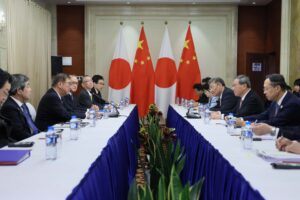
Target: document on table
[{"x": 277, "y": 156}]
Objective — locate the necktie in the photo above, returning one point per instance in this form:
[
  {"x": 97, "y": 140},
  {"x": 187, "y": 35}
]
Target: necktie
[
  {"x": 71, "y": 96},
  {"x": 29, "y": 119},
  {"x": 241, "y": 102}
]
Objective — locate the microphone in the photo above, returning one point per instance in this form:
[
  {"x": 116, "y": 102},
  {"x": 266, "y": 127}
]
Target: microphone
[
  {"x": 116, "y": 113},
  {"x": 192, "y": 115}
]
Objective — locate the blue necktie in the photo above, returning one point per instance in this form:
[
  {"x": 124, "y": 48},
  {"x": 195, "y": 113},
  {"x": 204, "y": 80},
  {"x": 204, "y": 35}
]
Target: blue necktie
[{"x": 29, "y": 119}]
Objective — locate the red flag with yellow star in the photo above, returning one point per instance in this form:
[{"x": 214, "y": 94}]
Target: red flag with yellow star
[
  {"x": 142, "y": 84},
  {"x": 188, "y": 72}
]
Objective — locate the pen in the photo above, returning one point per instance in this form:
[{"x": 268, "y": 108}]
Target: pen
[{"x": 257, "y": 139}]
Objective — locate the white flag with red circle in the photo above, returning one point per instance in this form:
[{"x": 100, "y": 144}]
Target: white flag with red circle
[
  {"x": 165, "y": 76},
  {"x": 119, "y": 72}
]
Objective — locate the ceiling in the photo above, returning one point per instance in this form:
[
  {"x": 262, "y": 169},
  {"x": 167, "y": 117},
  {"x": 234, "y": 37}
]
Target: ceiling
[{"x": 153, "y": 2}]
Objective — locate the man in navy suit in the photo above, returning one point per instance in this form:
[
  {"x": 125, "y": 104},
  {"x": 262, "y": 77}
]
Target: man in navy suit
[
  {"x": 227, "y": 101},
  {"x": 98, "y": 82},
  {"x": 70, "y": 100},
  {"x": 85, "y": 98},
  {"x": 249, "y": 103},
  {"x": 16, "y": 110},
  {"x": 5, "y": 124},
  {"x": 285, "y": 107},
  {"x": 51, "y": 109}
]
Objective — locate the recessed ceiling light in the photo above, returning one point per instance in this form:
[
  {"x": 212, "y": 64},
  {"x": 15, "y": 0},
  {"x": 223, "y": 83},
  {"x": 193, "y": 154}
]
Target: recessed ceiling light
[
  {"x": 253, "y": 2},
  {"x": 127, "y": 2},
  {"x": 69, "y": 2},
  {"x": 194, "y": 3}
]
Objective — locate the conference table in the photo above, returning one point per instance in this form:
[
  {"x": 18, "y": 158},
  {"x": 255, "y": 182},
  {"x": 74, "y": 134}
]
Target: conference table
[
  {"x": 99, "y": 165},
  {"x": 230, "y": 171},
  {"x": 102, "y": 163}
]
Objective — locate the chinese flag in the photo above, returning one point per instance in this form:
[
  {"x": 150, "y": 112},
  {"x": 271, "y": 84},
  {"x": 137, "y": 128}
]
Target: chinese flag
[
  {"x": 142, "y": 84},
  {"x": 188, "y": 72}
]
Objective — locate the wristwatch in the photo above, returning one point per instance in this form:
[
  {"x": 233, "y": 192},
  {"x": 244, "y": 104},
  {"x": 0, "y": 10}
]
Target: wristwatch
[{"x": 273, "y": 131}]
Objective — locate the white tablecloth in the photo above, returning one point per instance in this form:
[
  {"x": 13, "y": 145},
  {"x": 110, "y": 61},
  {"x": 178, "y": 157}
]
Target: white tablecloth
[
  {"x": 271, "y": 183},
  {"x": 37, "y": 178}
]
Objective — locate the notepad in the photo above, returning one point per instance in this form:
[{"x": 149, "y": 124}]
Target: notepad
[
  {"x": 13, "y": 157},
  {"x": 278, "y": 156}
]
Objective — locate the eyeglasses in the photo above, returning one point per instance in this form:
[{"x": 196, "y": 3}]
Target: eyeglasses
[
  {"x": 68, "y": 83},
  {"x": 267, "y": 89},
  {"x": 87, "y": 81},
  {"x": 74, "y": 83}
]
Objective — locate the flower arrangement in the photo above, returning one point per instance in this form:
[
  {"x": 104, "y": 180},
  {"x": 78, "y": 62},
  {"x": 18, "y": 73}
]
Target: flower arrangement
[{"x": 161, "y": 159}]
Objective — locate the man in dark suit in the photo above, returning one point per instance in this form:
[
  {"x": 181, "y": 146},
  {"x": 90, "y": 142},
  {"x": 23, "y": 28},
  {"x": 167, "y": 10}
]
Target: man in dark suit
[
  {"x": 70, "y": 100},
  {"x": 5, "y": 125},
  {"x": 227, "y": 101},
  {"x": 98, "y": 82},
  {"x": 199, "y": 90},
  {"x": 285, "y": 107},
  {"x": 85, "y": 98},
  {"x": 51, "y": 109},
  {"x": 249, "y": 103},
  {"x": 16, "y": 110},
  {"x": 296, "y": 89}
]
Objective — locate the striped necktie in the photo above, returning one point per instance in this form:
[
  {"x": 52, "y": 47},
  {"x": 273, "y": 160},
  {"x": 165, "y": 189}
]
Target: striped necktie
[{"x": 29, "y": 120}]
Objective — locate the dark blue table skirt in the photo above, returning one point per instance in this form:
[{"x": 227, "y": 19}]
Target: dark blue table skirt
[
  {"x": 222, "y": 181},
  {"x": 112, "y": 172}
]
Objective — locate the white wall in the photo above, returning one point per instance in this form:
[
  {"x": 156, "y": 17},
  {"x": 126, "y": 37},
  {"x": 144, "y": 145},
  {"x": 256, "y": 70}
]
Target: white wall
[{"x": 214, "y": 30}]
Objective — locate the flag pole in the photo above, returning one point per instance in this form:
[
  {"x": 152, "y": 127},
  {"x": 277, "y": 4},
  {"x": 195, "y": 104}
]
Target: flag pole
[
  {"x": 121, "y": 23},
  {"x": 142, "y": 23},
  {"x": 190, "y": 22},
  {"x": 166, "y": 22}
]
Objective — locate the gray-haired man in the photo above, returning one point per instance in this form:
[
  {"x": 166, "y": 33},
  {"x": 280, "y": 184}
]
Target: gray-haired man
[
  {"x": 16, "y": 110},
  {"x": 250, "y": 103}
]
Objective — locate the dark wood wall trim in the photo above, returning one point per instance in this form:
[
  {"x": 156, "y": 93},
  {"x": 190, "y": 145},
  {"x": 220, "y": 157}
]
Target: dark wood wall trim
[
  {"x": 259, "y": 30},
  {"x": 70, "y": 36}
]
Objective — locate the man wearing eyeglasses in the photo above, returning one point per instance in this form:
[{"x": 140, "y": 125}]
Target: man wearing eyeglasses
[
  {"x": 98, "y": 82},
  {"x": 85, "y": 98},
  {"x": 70, "y": 100},
  {"x": 285, "y": 107},
  {"x": 16, "y": 110}
]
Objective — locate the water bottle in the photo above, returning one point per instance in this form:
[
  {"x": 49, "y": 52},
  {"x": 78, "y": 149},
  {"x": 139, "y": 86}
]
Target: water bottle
[
  {"x": 59, "y": 143},
  {"x": 51, "y": 148},
  {"x": 74, "y": 128},
  {"x": 247, "y": 136},
  {"x": 126, "y": 101},
  {"x": 207, "y": 116},
  {"x": 92, "y": 116},
  {"x": 190, "y": 104},
  {"x": 121, "y": 104},
  {"x": 201, "y": 109},
  {"x": 113, "y": 107},
  {"x": 106, "y": 112},
  {"x": 230, "y": 124},
  {"x": 177, "y": 101},
  {"x": 184, "y": 103}
]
